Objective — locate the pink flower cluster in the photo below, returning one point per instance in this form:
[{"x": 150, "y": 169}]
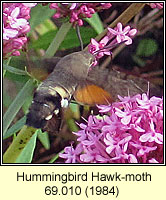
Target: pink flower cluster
[
  {"x": 113, "y": 37},
  {"x": 130, "y": 131},
  {"x": 156, "y": 5},
  {"x": 77, "y": 11},
  {"x": 15, "y": 27}
]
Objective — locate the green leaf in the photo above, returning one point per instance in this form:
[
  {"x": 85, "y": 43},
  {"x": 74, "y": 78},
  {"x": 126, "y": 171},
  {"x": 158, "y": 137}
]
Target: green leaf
[
  {"x": 146, "y": 47},
  {"x": 138, "y": 60},
  {"x": 16, "y": 78},
  {"x": 61, "y": 34},
  {"x": 45, "y": 27},
  {"x": 39, "y": 14},
  {"x": 7, "y": 100},
  {"x": 75, "y": 110},
  {"x": 96, "y": 23},
  {"x": 27, "y": 103},
  {"x": 44, "y": 139},
  {"x": 55, "y": 157},
  {"x": 72, "y": 125},
  {"x": 44, "y": 40},
  {"x": 70, "y": 41},
  {"x": 27, "y": 153},
  {"x": 6, "y": 62},
  {"x": 17, "y": 104},
  {"x": 15, "y": 128},
  {"x": 14, "y": 70},
  {"x": 18, "y": 144}
]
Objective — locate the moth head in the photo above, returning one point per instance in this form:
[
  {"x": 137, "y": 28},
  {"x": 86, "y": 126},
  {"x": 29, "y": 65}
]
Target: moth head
[
  {"x": 42, "y": 109},
  {"x": 35, "y": 120},
  {"x": 87, "y": 57}
]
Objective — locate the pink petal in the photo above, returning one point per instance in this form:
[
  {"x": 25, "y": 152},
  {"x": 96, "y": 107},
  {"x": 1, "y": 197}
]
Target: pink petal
[
  {"x": 73, "y": 6},
  {"x": 125, "y": 147},
  {"x": 94, "y": 42},
  {"x": 132, "y": 159},
  {"x": 78, "y": 149},
  {"x": 107, "y": 53},
  {"x": 139, "y": 129},
  {"x": 152, "y": 126},
  {"x": 86, "y": 158},
  {"x": 118, "y": 38},
  {"x": 9, "y": 33},
  {"x": 159, "y": 138},
  {"x": 19, "y": 23},
  {"x": 87, "y": 142},
  {"x": 125, "y": 140},
  {"x": 140, "y": 152},
  {"x": 22, "y": 22},
  {"x": 155, "y": 100},
  {"x": 126, "y": 30},
  {"x": 129, "y": 40},
  {"x": 120, "y": 113},
  {"x": 109, "y": 139},
  {"x": 110, "y": 149},
  {"x": 15, "y": 12},
  {"x": 119, "y": 26},
  {"x": 104, "y": 40},
  {"x": 144, "y": 97},
  {"x": 132, "y": 32},
  {"x": 145, "y": 137},
  {"x": 153, "y": 160},
  {"x": 126, "y": 120},
  {"x": 30, "y": 5},
  {"x": 83, "y": 126},
  {"x": 101, "y": 158},
  {"x": 112, "y": 31}
]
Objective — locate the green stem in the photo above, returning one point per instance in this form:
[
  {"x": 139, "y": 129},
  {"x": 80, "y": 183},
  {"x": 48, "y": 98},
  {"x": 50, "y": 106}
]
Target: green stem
[
  {"x": 58, "y": 39},
  {"x": 7, "y": 63},
  {"x": 55, "y": 157}
]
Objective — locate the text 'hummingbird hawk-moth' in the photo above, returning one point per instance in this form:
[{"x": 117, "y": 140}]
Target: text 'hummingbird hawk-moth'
[{"x": 71, "y": 77}]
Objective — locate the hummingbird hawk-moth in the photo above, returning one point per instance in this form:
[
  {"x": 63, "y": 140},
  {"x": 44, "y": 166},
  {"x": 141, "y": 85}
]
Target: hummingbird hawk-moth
[{"x": 72, "y": 77}]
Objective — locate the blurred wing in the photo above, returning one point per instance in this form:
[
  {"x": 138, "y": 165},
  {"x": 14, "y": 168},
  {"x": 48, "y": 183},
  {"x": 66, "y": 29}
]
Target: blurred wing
[
  {"x": 91, "y": 94},
  {"x": 41, "y": 68},
  {"x": 118, "y": 83}
]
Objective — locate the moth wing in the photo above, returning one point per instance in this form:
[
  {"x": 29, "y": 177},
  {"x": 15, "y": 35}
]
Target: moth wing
[
  {"x": 119, "y": 83},
  {"x": 91, "y": 94},
  {"x": 41, "y": 68}
]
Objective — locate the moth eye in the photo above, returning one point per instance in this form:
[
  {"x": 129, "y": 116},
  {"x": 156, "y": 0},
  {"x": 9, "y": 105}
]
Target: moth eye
[
  {"x": 48, "y": 117},
  {"x": 64, "y": 103},
  {"x": 46, "y": 105}
]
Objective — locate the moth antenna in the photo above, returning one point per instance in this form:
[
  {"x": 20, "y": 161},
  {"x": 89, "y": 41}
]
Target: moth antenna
[
  {"x": 148, "y": 89},
  {"x": 79, "y": 36},
  {"x": 128, "y": 92}
]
